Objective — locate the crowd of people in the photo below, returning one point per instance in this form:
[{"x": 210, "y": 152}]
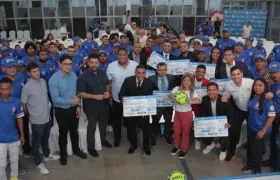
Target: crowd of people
[{"x": 44, "y": 80}]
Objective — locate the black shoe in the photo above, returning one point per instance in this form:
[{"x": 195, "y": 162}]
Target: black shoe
[
  {"x": 93, "y": 152},
  {"x": 247, "y": 168},
  {"x": 229, "y": 157},
  {"x": 81, "y": 154},
  {"x": 256, "y": 172},
  {"x": 131, "y": 150},
  {"x": 182, "y": 154},
  {"x": 107, "y": 144},
  {"x": 167, "y": 140},
  {"x": 117, "y": 144},
  {"x": 147, "y": 151},
  {"x": 174, "y": 151},
  {"x": 266, "y": 163},
  {"x": 63, "y": 160},
  {"x": 154, "y": 142}
]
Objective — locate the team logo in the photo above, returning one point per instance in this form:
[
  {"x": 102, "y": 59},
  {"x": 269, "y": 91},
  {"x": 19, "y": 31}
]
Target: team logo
[
  {"x": 272, "y": 108},
  {"x": 278, "y": 92},
  {"x": 13, "y": 109},
  {"x": 256, "y": 106},
  {"x": 43, "y": 73}
]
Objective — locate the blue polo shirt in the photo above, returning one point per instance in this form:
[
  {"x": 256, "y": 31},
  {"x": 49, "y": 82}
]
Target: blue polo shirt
[
  {"x": 251, "y": 56},
  {"x": 46, "y": 70},
  {"x": 9, "y": 112},
  {"x": 27, "y": 60},
  {"x": 242, "y": 58},
  {"x": 18, "y": 84},
  {"x": 209, "y": 30},
  {"x": 108, "y": 48},
  {"x": 127, "y": 47},
  {"x": 275, "y": 89},
  {"x": 88, "y": 46},
  {"x": 261, "y": 50},
  {"x": 157, "y": 48},
  {"x": 207, "y": 50},
  {"x": 257, "y": 121},
  {"x": 276, "y": 52},
  {"x": 63, "y": 89},
  {"x": 112, "y": 58},
  {"x": 223, "y": 43},
  {"x": 54, "y": 60},
  {"x": 20, "y": 54}
]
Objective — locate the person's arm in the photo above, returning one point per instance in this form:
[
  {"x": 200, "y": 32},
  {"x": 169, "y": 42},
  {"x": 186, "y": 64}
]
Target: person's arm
[
  {"x": 203, "y": 107},
  {"x": 24, "y": 99},
  {"x": 195, "y": 99},
  {"x": 124, "y": 90},
  {"x": 54, "y": 91},
  {"x": 226, "y": 94},
  {"x": 19, "y": 115}
]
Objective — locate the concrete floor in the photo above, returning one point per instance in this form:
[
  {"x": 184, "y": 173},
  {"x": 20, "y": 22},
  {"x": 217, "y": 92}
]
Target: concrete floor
[{"x": 116, "y": 164}]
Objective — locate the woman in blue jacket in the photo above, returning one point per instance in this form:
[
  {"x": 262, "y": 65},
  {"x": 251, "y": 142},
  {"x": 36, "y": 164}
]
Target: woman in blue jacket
[{"x": 261, "y": 115}]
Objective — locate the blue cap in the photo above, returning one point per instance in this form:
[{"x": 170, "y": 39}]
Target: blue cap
[
  {"x": 260, "y": 56},
  {"x": 159, "y": 35},
  {"x": 170, "y": 31},
  {"x": 76, "y": 38},
  {"x": 226, "y": 30},
  {"x": 4, "y": 40},
  {"x": 201, "y": 50},
  {"x": 9, "y": 61},
  {"x": 3, "y": 49},
  {"x": 249, "y": 38},
  {"x": 123, "y": 36},
  {"x": 274, "y": 66},
  {"x": 103, "y": 52},
  {"x": 239, "y": 43},
  {"x": 206, "y": 38},
  {"x": 116, "y": 45},
  {"x": 182, "y": 32},
  {"x": 197, "y": 42},
  {"x": 174, "y": 40},
  {"x": 260, "y": 42},
  {"x": 20, "y": 62},
  {"x": 154, "y": 28}
]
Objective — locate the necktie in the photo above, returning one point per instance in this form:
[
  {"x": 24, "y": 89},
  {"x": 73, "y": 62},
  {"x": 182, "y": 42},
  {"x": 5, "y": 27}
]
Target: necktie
[
  {"x": 166, "y": 56},
  {"x": 163, "y": 84},
  {"x": 138, "y": 85}
]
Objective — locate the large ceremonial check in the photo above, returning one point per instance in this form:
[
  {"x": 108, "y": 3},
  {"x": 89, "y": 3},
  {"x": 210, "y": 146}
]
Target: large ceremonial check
[
  {"x": 163, "y": 99},
  {"x": 150, "y": 73},
  {"x": 139, "y": 106},
  {"x": 201, "y": 91},
  {"x": 155, "y": 58},
  {"x": 221, "y": 83},
  {"x": 263, "y": 176},
  {"x": 210, "y": 69},
  {"x": 213, "y": 126},
  {"x": 178, "y": 67}
]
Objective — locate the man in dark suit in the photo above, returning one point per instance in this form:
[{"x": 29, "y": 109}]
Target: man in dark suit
[
  {"x": 230, "y": 62},
  {"x": 137, "y": 55},
  {"x": 212, "y": 105},
  {"x": 137, "y": 85},
  {"x": 186, "y": 54},
  {"x": 162, "y": 81},
  {"x": 166, "y": 51}
]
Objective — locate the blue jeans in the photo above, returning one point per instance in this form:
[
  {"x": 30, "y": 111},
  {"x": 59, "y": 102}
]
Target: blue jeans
[
  {"x": 277, "y": 163},
  {"x": 40, "y": 138}
]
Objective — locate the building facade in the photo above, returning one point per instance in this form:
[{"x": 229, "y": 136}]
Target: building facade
[{"x": 38, "y": 15}]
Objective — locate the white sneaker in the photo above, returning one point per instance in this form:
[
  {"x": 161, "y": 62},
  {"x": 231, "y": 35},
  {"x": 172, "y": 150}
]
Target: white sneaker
[
  {"x": 223, "y": 155},
  {"x": 42, "y": 169},
  {"x": 218, "y": 145},
  {"x": 52, "y": 157},
  {"x": 197, "y": 144},
  {"x": 208, "y": 148},
  {"x": 109, "y": 129}
]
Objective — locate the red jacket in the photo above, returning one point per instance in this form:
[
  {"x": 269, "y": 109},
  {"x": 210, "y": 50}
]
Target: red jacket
[{"x": 196, "y": 107}]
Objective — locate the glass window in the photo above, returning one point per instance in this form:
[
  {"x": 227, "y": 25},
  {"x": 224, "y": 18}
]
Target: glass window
[
  {"x": 9, "y": 25},
  {"x": 202, "y": 7},
  {"x": 276, "y": 11},
  {"x": 148, "y": 7},
  {"x": 120, "y": 7},
  {"x": 7, "y": 9},
  {"x": 35, "y": 9},
  {"x": 136, "y": 7},
  {"x": 106, "y": 7},
  {"x": 21, "y": 8},
  {"x": 162, "y": 7},
  {"x": 49, "y": 8},
  {"x": 176, "y": 7},
  {"x": 69, "y": 25},
  {"x": 23, "y": 24},
  {"x": 51, "y": 23},
  {"x": 79, "y": 27},
  {"x": 92, "y": 7},
  {"x": 188, "y": 8},
  {"x": 118, "y": 22},
  {"x": 176, "y": 23},
  {"x": 37, "y": 28},
  {"x": 78, "y": 8},
  {"x": 215, "y": 5},
  {"x": 63, "y": 8}
]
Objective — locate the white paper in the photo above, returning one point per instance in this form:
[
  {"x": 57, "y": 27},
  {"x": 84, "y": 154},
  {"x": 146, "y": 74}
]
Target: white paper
[
  {"x": 221, "y": 83},
  {"x": 162, "y": 98},
  {"x": 155, "y": 58},
  {"x": 201, "y": 91},
  {"x": 210, "y": 69},
  {"x": 139, "y": 106},
  {"x": 150, "y": 73},
  {"x": 213, "y": 126},
  {"x": 178, "y": 67}
]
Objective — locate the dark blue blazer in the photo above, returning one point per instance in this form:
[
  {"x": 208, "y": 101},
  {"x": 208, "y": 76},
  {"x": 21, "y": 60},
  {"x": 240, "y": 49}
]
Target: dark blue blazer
[{"x": 246, "y": 72}]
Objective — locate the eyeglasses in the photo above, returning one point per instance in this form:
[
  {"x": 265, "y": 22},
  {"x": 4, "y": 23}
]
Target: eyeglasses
[
  {"x": 67, "y": 64},
  {"x": 71, "y": 51}
]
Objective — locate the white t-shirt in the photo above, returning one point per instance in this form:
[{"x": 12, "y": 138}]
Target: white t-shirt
[
  {"x": 185, "y": 107},
  {"x": 247, "y": 30}
]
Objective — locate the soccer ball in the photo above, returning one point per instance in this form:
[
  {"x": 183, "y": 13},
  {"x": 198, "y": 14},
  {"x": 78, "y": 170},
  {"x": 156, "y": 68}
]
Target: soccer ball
[
  {"x": 176, "y": 175},
  {"x": 180, "y": 98}
]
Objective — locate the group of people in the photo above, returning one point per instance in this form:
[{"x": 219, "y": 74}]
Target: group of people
[{"x": 38, "y": 83}]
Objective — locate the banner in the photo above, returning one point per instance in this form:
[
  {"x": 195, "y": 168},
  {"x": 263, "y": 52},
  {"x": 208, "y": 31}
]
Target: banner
[{"x": 235, "y": 19}]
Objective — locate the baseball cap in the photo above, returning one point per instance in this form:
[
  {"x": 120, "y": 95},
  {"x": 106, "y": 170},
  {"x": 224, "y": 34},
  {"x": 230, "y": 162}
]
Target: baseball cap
[
  {"x": 134, "y": 23},
  {"x": 274, "y": 66},
  {"x": 182, "y": 32},
  {"x": 159, "y": 35},
  {"x": 260, "y": 42},
  {"x": 3, "y": 49},
  {"x": 226, "y": 30},
  {"x": 197, "y": 42},
  {"x": 103, "y": 35},
  {"x": 102, "y": 52},
  {"x": 9, "y": 61},
  {"x": 116, "y": 45},
  {"x": 76, "y": 39},
  {"x": 239, "y": 43},
  {"x": 20, "y": 62},
  {"x": 249, "y": 38},
  {"x": 154, "y": 28},
  {"x": 260, "y": 56},
  {"x": 123, "y": 36},
  {"x": 4, "y": 40},
  {"x": 170, "y": 31},
  {"x": 201, "y": 50},
  {"x": 174, "y": 40},
  {"x": 206, "y": 38}
]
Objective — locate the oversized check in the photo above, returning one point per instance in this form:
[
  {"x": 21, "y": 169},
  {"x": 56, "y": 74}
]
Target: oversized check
[
  {"x": 210, "y": 69},
  {"x": 221, "y": 83},
  {"x": 139, "y": 106},
  {"x": 213, "y": 126},
  {"x": 162, "y": 98},
  {"x": 178, "y": 67},
  {"x": 150, "y": 73},
  {"x": 201, "y": 91},
  {"x": 155, "y": 58}
]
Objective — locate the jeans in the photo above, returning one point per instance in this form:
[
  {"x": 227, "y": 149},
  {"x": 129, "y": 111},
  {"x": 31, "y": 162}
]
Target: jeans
[
  {"x": 13, "y": 150},
  {"x": 277, "y": 163},
  {"x": 40, "y": 134},
  {"x": 273, "y": 146}
]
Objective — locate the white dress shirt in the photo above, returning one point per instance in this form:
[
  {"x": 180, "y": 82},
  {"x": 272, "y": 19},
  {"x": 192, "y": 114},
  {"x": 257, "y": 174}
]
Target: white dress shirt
[
  {"x": 166, "y": 55},
  {"x": 228, "y": 68},
  {"x": 213, "y": 107}
]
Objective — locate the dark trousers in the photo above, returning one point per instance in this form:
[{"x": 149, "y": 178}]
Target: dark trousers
[
  {"x": 167, "y": 113},
  {"x": 272, "y": 139},
  {"x": 26, "y": 147},
  {"x": 235, "y": 130},
  {"x": 102, "y": 120},
  {"x": 131, "y": 125},
  {"x": 254, "y": 152},
  {"x": 111, "y": 115},
  {"x": 67, "y": 121},
  {"x": 40, "y": 138},
  {"x": 51, "y": 109},
  {"x": 222, "y": 140},
  {"x": 277, "y": 163},
  {"x": 117, "y": 111},
  {"x": 96, "y": 34}
]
